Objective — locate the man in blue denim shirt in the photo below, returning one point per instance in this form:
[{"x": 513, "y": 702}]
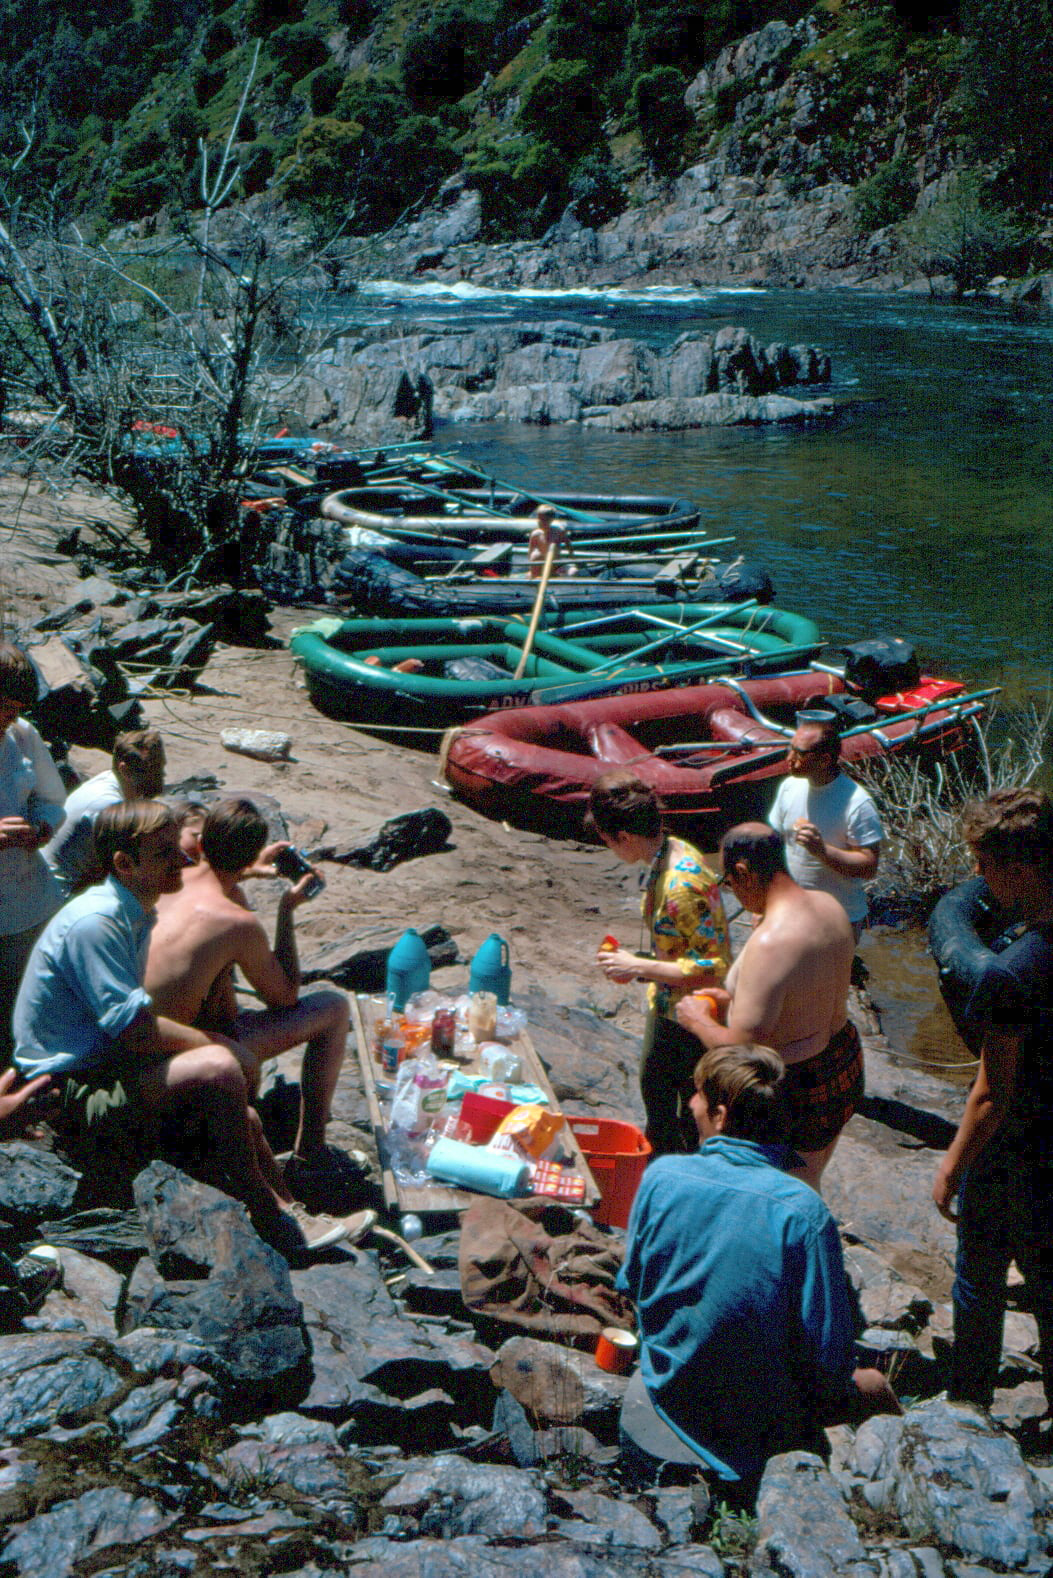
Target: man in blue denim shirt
[{"x": 746, "y": 1322}]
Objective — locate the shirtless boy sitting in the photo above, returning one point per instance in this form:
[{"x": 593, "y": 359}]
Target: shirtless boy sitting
[
  {"x": 204, "y": 931},
  {"x": 788, "y": 989}
]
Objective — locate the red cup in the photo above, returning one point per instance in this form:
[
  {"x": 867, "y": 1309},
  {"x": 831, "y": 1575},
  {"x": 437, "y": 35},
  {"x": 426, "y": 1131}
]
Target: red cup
[{"x": 616, "y": 1350}]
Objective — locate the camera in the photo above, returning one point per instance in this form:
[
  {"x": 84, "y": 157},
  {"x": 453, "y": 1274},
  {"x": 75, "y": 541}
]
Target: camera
[{"x": 293, "y": 864}]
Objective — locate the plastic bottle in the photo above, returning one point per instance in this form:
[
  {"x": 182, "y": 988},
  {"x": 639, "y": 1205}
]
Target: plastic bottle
[
  {"x": 491, "y": 971},
  {"x": 408, "y": 969}
]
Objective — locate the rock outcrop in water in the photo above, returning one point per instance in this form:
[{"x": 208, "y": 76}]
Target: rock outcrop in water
[{"x": 563, "y": 372}]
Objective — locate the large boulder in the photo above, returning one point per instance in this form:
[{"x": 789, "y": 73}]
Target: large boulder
[
  {"x": 55, "y": 1543},
  {"x": 803, "y": 1526},
  {"x": 447, "y": 1497},
  {"x": 213, "y": 1277},
  {"x": 949, "y": 1476}
]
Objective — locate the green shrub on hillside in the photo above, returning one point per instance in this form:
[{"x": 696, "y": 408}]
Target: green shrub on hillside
[
  {"x": 324, "y": 87},
  {"x": 592, "y": 30},
  {"x": 298, "y": 47},
  {"x": 205, "y": 81},
  {"x": 218, "y": 39},
  {"x": 263, "y": 16},
  {"x": 562, "y": 106},
  {"x": 446, "y": 51},
  {"x": 887, "y": 196},
  {"x": 595, "y": 190},
  {"x": 657, "y": 104},
  {"x": 357, "y": 16},
  {"x": 1008, "y": 90},
  {"x": 966, "y": 236}
]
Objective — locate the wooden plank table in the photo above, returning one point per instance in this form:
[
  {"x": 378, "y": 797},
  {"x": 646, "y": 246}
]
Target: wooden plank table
[{"x": 438, "y": 1198}]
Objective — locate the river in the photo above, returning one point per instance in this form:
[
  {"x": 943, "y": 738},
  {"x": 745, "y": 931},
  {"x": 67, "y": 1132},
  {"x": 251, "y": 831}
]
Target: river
[{"x": 923, "y": 511}]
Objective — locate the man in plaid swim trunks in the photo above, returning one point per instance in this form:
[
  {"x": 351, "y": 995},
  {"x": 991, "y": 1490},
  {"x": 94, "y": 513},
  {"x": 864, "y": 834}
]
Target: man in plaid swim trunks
[{"x": 788, "y": 989}]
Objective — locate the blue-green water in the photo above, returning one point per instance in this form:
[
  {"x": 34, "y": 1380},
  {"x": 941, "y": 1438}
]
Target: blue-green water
[{"x": 925, "y": 510}]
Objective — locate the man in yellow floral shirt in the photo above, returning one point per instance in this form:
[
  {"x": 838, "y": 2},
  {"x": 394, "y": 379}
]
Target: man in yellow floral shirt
[{"x": 689, "y": 942}]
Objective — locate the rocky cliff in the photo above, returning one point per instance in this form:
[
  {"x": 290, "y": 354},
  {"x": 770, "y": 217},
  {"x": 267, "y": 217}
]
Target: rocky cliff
[
  {"x": 788, "y": 122},
  {"x": 560, "y": 372}
]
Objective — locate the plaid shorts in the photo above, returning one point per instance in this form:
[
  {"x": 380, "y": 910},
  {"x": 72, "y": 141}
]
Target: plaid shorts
[{"x": 824, "y": 1091}]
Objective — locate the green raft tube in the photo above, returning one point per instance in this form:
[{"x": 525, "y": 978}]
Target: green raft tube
[{"x": 430, "y": 673}]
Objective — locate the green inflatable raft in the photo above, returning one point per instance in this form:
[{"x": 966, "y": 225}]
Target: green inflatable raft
[{"x": 429, "y": 673}]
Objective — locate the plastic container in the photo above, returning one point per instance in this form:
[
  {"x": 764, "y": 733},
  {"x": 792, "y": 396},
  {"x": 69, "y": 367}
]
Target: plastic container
[
  {"x": 408, "y": 970},
  {"x": 617, "y": 1154},
  {"x": 474, "y": 1167},
  {"x": 481, "y": 1115},
  {"x": 491, "y": 971}
]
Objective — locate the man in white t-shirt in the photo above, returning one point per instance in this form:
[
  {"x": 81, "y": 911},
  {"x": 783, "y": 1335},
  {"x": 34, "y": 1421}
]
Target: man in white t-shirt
[{"x": 829, "y": 824}]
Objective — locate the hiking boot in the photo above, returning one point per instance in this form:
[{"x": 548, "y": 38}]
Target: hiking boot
[
  {"x": 303, "y": 1232},
  {"x": 329, "y": 1172}
]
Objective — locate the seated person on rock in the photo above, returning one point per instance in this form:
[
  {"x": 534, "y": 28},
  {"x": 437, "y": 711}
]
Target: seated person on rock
[
  {"x": 137, "y": 772},
  {"x": 745, "y": 1317},
  {"x": 84, "y": 1017},
  {"x": 204, "y": 930}
]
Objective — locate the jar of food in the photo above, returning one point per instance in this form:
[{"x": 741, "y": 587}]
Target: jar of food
[
  {"x": 482, "y": 1016},
  {"x": 443, "y": 1030}
]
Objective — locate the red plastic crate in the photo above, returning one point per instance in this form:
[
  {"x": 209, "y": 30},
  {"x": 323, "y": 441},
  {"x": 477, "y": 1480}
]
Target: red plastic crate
[{"x": 617, "y": 1154}]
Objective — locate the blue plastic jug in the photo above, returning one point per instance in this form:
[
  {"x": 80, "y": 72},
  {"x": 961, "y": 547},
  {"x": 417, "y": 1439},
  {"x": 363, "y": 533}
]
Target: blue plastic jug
[
  {"x": 408, "y": 971},
  {"x": 491, "y": 971}
]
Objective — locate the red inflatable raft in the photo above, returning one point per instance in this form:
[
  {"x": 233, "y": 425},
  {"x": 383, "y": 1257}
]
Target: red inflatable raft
[{"x": 711, "y": 752}]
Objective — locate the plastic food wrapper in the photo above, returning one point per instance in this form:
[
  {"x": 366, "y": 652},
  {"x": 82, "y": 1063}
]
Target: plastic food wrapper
[
  {"x": 531, "y": 1128},
  {"x": 557, "y": 1183},
  {"x": 510, "y": 1022},
  {"x": 420, "y": 1095}
]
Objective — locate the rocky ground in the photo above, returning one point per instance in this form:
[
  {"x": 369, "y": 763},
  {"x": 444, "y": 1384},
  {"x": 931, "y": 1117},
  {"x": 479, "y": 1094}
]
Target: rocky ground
[{"x": 184, "y": 1403}]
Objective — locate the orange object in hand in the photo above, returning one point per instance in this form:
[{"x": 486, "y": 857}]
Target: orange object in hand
[
  {"x": 609, "y": 944},
  {"x": 707, "y": 997}
]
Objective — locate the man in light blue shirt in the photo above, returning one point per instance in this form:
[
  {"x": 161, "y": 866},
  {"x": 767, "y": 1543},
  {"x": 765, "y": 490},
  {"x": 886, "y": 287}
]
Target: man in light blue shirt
[
  {"x": 82, "y": 1012},
  {"x": 735, "y": 1267}
]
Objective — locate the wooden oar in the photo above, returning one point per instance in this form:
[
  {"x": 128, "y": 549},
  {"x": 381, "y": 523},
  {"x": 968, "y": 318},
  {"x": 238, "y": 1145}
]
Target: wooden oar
[{"x": 539, "y": 603}]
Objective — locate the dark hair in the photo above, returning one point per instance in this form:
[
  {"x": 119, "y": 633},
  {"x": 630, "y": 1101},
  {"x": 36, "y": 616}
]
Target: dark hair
[
  {"x": 1012, "y": 824},
  {"x": 185, "y": 811},
  {"x": 827, "y": 728},
  {"x": 747, "y": 1080},
  {"x": 759, "y": 848},
  {"x": 121, "y": 828},
  {"x": 18, "y": 679},
  {"x": 619, "y": 802},
  {"x": 233, "y": 834},
  {"x": 132, "y": 748}
]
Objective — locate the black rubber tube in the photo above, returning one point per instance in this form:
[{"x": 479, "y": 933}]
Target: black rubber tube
[{"x": 962, "y": 928}]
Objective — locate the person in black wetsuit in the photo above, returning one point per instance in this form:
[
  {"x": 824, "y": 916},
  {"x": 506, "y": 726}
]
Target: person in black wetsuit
[{"x": 1000, "y": 1162}]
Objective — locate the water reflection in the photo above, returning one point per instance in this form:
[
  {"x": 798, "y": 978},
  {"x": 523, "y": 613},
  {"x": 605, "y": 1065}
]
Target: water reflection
[{"x": 903, "y": 987}]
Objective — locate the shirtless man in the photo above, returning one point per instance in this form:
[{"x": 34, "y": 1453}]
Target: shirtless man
[
  {"x": 547, "y": 531},
  {"x": 206, "y": 929},
  {"x": 788, "y": 989}
]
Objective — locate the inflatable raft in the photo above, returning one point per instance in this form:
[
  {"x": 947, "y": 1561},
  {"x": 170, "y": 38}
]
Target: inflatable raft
[
  {"x": 712, "y": 752},
  {"x": 432, "y": 672}
]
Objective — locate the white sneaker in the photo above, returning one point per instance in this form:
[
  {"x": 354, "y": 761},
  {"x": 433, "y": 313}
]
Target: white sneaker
[{"x": 322, "y": 1232}]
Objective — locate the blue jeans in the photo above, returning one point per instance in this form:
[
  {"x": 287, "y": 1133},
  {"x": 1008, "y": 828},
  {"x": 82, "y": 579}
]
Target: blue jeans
[{"x": 1005, "y": 1212}]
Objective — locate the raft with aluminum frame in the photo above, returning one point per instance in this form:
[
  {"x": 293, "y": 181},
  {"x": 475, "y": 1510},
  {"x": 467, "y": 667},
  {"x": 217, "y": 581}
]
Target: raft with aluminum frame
[{"x": 412, "y": 671}]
